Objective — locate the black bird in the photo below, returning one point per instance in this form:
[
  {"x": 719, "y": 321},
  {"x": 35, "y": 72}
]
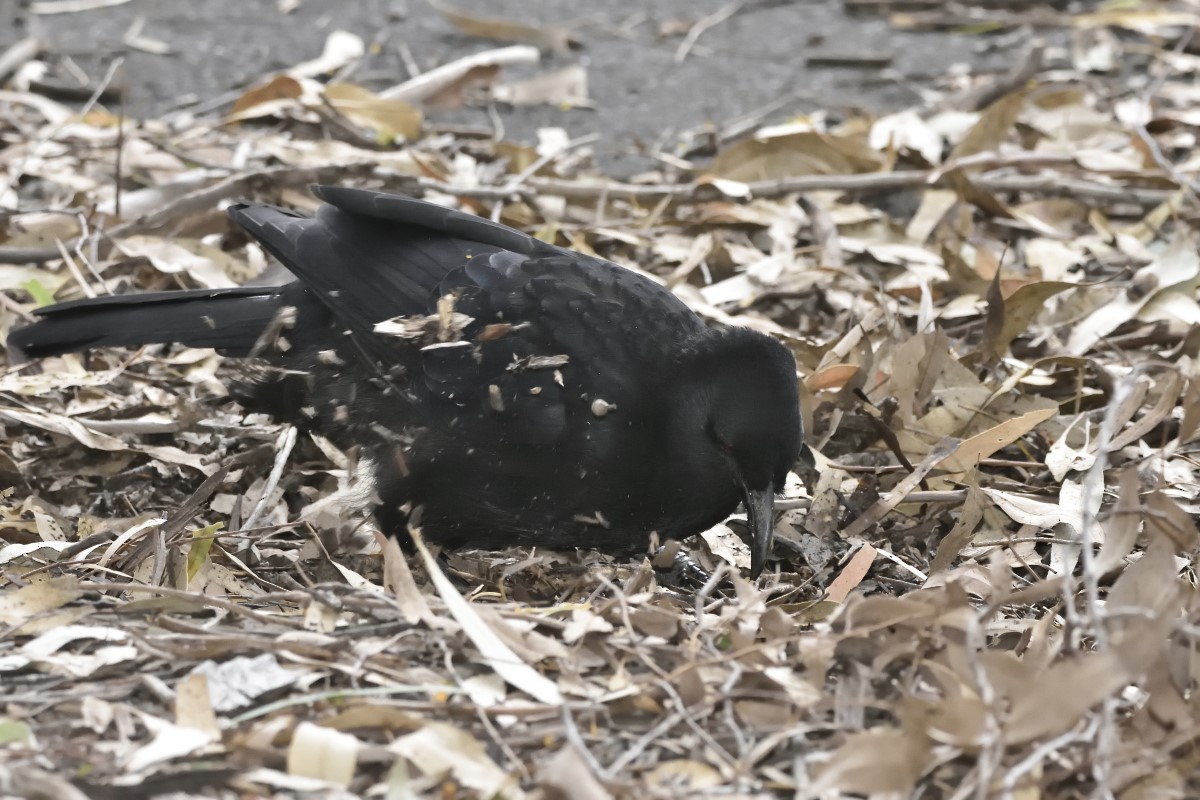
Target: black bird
[{"x": 533, "y": 396}]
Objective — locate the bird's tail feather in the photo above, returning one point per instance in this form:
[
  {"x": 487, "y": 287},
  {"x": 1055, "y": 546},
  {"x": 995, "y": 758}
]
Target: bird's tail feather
[{"x": 230, "y": 320}]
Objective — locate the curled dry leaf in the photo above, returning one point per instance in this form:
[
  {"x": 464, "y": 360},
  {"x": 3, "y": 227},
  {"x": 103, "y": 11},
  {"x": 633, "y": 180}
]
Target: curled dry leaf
[{"x": 440, "y": 750}]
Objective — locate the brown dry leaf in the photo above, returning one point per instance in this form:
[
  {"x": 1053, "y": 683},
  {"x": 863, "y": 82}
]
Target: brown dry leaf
[
  {"x": 1019, "y": 310},
  {"x": 851, "y": 575},
  {"x": 390, "y": 119},
  {"x": 867, "y": 614},
  {"x": 801, "y": 693},
  {"x": 939, "y": 453},
  {"x": 1148, "y": 20},
  {"x": 468, "y": 85},
  {"x": 1150, "y": 585},
  {"x": 546, "y": 37},
  {"x": 1169, "y": 387},
  {"x": 993, "y": 126},
  {"x": 1064, "y": 692},
  {"x": 1062, "y": 458},
  {"x": 1167, "y": 518},
  {"x": 64, "y": 426},
  {"x": 1121, "y": 530},
  {"x": 907, "y": 129},
  {"x": 52, "y": 651},
  {"x": 584, "y": 622},
  {"x": 833, "y": 376},
  {"x": 958, "y": 721},
  {"x": 936, "y": 204},
  {"x": 398, "y": 579},
  {"x": 520, "y": 634},
  {"x": 265, "y": 100},
  {"x": 963, "y": 530},
  {"x": 801, "y": 153},
  {"x": 875, "y": 761},
  {"x": 1189, "y": 426},
  {"x": 51, "y": 7},
  {"x": 971, "y": 192},
  {"x": 567, "y": 774},
  {"x": 19, "y": 606},
  {"x": 984, "y": 445},
  {"x": 47, "y": 382},
  {"x": 372, "y": 716}
]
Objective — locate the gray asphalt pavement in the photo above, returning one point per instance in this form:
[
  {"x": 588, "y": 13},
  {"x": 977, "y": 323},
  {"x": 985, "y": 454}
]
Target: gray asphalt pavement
[{"x": 640, "y": 91}]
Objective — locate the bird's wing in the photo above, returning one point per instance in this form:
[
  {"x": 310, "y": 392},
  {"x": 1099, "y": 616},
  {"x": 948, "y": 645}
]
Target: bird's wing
[
  {"x": 365, "y": 270},
  {"x": 552, "y": 338},
  {"x": 371, "y": 256}
]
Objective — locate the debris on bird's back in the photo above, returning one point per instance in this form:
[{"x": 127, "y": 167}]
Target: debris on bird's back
[
  {"x": 601, "y": 407},
  {"x": 538, "y": 362},
  {"x": 448, "y": 331},
  {"x": 429, "y": 329}
]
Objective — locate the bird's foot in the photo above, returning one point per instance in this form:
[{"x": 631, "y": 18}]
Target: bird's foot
[{"x": 676, "y": 568}]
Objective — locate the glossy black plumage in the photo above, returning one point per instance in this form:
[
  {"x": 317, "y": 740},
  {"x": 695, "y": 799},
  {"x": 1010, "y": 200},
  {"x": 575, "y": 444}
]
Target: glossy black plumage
[{"x": 573, "y": 403}]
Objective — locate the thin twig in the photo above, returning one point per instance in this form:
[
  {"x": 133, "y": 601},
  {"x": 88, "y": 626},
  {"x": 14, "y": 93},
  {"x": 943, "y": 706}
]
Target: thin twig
[
  {"x": 119, "y": 160},
  {"x": 1042, "y": 751},
  {"x": 108, "y": 77},
  {"x": 573, "y": 736},
  {"x": 203, "y": 599},
  {"x": 286, "y": 443},
  {"x": 517, "y": 180},
  {"x": 702, "y": 25},
  {"x": 73, "y": 268}
]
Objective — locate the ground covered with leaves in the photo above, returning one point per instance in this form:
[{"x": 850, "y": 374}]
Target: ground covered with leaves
[{"x": 986, "y": 588}]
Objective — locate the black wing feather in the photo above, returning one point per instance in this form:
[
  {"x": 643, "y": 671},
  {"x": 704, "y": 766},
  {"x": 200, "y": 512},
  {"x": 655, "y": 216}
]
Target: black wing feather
[
  {"x": 230, "y": 320},
  {"x": 370, "y": 256}
]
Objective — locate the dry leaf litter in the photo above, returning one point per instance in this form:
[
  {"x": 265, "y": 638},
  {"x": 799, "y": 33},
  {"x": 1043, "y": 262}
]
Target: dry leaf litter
[{"x": 986, "y": 589}]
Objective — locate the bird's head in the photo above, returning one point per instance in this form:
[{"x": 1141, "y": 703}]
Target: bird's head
[{"x": 745, "y": 399}]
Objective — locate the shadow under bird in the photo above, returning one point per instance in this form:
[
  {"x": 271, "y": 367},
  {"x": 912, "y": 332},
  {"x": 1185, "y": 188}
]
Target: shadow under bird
[{"x": 533, "y": 396}]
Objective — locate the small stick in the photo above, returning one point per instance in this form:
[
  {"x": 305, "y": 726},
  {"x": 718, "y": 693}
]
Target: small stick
[
  {"x": 702, "y": 25},
  {"x": 287, "y": 442}
]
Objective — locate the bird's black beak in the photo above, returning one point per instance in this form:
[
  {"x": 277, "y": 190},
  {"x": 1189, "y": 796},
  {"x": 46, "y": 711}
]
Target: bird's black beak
[{"x": 760, "y": 511}]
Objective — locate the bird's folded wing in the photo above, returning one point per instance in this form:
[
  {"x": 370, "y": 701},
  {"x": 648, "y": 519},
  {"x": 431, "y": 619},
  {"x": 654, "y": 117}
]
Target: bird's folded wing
[
  {"x": 552, "y": 331},
  {"x": 553, "y": 338}
]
